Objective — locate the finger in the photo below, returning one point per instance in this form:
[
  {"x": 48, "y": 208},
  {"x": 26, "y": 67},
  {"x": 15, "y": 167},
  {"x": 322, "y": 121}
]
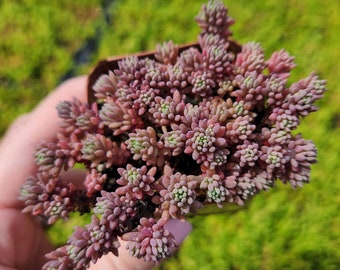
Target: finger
[
  {"x": 22, "y": 241},
  {"x": 179, "y": 229},
  {"x": 19, "y": 142}
]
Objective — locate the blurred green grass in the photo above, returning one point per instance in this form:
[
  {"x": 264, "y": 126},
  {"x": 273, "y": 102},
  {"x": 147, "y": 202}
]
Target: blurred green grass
[{"x": 281, "y": 229}]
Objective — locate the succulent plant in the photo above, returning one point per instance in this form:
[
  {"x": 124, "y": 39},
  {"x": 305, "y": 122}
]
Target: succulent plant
[{"x": 167, "y": 135}]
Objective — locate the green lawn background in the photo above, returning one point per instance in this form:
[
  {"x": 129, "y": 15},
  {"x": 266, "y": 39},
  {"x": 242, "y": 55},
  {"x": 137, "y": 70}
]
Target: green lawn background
[{"x": 40, "y": 44}]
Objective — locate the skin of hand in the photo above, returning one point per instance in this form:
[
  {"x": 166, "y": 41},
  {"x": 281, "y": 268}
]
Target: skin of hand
[{"x": 23, "y": 242}]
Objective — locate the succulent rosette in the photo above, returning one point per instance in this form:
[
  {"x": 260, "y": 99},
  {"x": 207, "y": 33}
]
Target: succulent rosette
[{"x": 165, "y": 135}]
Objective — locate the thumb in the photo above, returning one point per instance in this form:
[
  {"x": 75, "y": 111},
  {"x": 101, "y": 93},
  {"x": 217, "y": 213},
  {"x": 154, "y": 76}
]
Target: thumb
[{"x": 18, "y": 144}]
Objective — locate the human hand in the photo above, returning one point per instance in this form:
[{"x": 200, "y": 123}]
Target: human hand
[{"x": 23, "y": 242}]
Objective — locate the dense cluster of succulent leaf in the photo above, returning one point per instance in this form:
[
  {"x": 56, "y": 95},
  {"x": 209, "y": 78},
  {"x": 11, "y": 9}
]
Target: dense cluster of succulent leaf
[{"x": 210, "y": 124}]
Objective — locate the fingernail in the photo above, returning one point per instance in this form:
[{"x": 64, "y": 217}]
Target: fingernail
[{"x": 179, "y": 229}]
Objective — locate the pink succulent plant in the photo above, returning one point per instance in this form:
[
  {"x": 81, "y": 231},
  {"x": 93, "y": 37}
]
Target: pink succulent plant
[{"x": 167, "y": 135}]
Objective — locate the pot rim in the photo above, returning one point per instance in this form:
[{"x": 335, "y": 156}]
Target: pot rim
[{"x": 111, "y": 63}]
